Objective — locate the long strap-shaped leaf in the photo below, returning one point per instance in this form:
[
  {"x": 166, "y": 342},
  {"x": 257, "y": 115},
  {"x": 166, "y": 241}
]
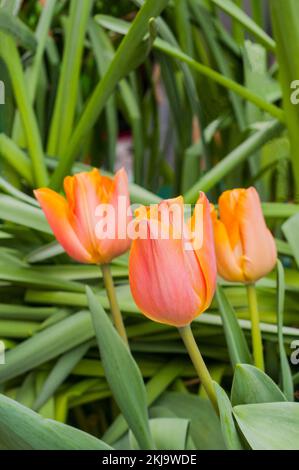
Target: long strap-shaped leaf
[
  {"x": 33, "y": 71},
  {"x": 287, "y": 382},
  {"x": 123, "y": 62},
  {"x": 233, "y": 159},
  {"x": 17, "y": 29},
  {"x": 23, "y": 429},
  {"x": 66, "y": 99},
  {"x": 10, "y": 55},
  {"x": 122, "y": 373},
  {"x": 121, "y": 27},
  {"x": 241, "y": 17},
  {"x": 236, "y": 342}
]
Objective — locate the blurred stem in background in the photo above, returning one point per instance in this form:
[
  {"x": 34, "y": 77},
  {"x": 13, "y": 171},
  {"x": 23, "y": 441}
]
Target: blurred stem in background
[
  {"x": 199, "y": 364},
  {"x": 286, "y": 33},
  {"x": 114, "y": 307},
  {"x": 257, "y": 344}
]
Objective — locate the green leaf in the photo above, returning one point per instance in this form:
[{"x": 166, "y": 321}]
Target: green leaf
[
  {"x": 154, "y": 388},
  {"x": 205, "y": 429},
  {"x": 21, "y": 213},
  {"x": 26, "y": 392},
  {"x": 224, "y": 81},
  {"x": 279, "y": 209},
  {"x": 122, "y": 373},
  {"x": 45, "y": 252},
  {"x": 11, "y": 57},
  {"x": 206, "y": 24},
  {"x": 101, "y": 48},
  {"x": 269, "y": 426},
  {"x": 67, "y": 92},
  {"x": 251, "y": 385},
  {"x": 22, "y": 429},
  {"x": 16, "y": 158},
  {"x": 30, "y": 277},
  {"x": 233, "y": 159},
  {"x": 11, "y": 190},
  {"x": 286, "y": 374},
  {"x": 229, "y": 430},
  {"x": 24, "y": 312},
  {"x": 168, "y": 434},
  {"x": 47, "y": 344},
  {"x": 239, "y": 15},
  {"x": 59, "y": 373},
  {"x": 290, "y": 229},
  {"x": 17, "y": 29},
  {"x": 33, "y": 70},
  {"x": 235, "y": 338},
  {"x": 120, "y": 66},
  {"x": 286, "y": 33}
]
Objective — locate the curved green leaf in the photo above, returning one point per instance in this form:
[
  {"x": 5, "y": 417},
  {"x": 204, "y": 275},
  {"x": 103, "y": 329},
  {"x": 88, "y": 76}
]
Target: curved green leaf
[
  {"x": 229, "y": 430},
  {"x": 122, "y": 373},
  {"x": 169, "y": 434},
  {"x": 23, "y": 429},
  {"x": 269, "y": 426},
  {"x": 251, "y": 385},
  {"x": 235, "y": 338},
  {"x": 17, "y": 29}
]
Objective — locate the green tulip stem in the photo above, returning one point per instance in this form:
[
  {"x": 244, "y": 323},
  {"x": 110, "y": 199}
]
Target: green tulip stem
[
  {"x": 257, "y": 344},
  {"x": 114, "y": 307},
  {"x": 199, "y": 364}
]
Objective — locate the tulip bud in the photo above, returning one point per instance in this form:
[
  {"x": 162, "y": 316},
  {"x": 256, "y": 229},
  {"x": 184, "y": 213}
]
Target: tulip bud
[{"x": 245, "y": 247}]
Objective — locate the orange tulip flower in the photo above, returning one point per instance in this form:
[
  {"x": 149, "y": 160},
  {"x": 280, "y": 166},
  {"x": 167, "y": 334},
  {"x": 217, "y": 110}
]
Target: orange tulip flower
[
  {"x": 172, "y": 281},
  {"x": 74, "y": 220},
  {"x": 245, "y": 247}
]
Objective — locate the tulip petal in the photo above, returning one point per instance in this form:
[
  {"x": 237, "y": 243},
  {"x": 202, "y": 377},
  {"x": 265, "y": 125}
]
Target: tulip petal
[
  {"x": 202, "y": 227},
  {"x": 258, "y": 243},
  {"x": 228, "y": 203},
  {"x": 227, "y": 264},
  {"x": 161, "y": 281},
  {"x": 116, "y": 242},
  {"x": 82, "y": 195},
  {"x": 58, "y": 216}
]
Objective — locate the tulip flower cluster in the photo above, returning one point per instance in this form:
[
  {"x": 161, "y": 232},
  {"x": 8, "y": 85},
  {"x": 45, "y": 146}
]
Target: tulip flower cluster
[
  {"x": 169, "y": 284},
  {"x": 172, "y": 265}
]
